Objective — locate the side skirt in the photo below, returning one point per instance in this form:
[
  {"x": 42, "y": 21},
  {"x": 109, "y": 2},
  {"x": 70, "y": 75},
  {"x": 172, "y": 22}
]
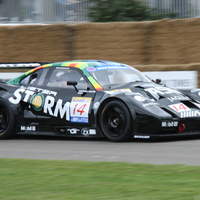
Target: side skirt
[{"x": 64, "y": 131}]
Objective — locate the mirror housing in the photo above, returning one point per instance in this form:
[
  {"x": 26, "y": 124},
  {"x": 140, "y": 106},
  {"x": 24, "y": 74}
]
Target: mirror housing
[
  {"x": 158, "y": 80},
  {"x": 74, "y": 83}
]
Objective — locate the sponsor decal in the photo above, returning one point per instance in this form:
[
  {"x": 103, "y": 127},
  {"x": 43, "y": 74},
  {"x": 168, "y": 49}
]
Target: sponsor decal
[
  {"x": 131, "y": 93},
  {"x": 161, "y": 90},
  {"x": 170, "y": 124},
  {"x": 27, "y": 128},
  {"x": 75, "y": 111},
  {"x": 79, "y": 109},
  {"x": 86, "y": 91},
  {"x": 18, "y": 97},
  {"x": 60, "y": 110},
  {"x": 107, "y": 67},
  {"x": 191, "y": 113},
  {"x": 37, "y": 101},
  {"x": 142, "y": 136},
  {"x": 178, "y": 98},
  {"x": 73, "y": 131},
  {"x": 81, "y": 92},
  {"x": 137, "y": 95},
  {"x": 92, "y": 132},
  {"x": 118, "y": 91},
  {"x": 155, "y": 92},
  {"x": 150, "y": 104},
  {"x": 90, "y": 69},
  {"x": 179, "y": 107},
  {"x": 29, "y": 92},
  {"x": 87, "y": 132},
  {"x": 96, "y": 105},
  {"x": 139, "y": 98},
  {"x": 62, "y": 68}
]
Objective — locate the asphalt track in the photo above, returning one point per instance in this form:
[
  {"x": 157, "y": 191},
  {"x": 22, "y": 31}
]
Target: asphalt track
[{"x": 185, "y": 152}]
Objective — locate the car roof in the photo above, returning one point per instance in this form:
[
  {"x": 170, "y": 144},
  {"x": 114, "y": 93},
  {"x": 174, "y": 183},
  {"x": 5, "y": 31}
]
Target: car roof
[{"x": 80, "y": 64}]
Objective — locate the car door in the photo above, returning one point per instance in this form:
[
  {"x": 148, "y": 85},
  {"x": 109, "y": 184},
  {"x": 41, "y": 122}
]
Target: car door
[
  {"x": 66, "y": 98},
  {"x": 32, "y": 89}
]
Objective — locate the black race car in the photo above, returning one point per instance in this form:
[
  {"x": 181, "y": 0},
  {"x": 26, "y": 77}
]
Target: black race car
[{"x": 90, "y": 98}]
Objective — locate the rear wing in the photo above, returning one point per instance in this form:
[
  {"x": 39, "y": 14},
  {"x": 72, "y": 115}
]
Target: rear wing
[
  {"x": 9, "y": 71},
  {"x": 21, "y": 65}
]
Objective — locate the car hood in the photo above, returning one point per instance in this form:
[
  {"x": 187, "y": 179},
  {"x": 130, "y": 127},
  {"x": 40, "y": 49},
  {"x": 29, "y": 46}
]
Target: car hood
[
  {"x": 158, "y": 99},
  {"x": 151, "y": 91}
]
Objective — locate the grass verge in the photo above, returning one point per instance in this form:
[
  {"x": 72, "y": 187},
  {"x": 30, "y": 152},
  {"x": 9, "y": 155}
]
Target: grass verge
[{"x": 40, "y": 179}]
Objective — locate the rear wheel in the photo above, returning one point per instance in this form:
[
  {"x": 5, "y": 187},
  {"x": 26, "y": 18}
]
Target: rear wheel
[
  {"x": 116, "y": 121},
  {"x": 7, "y": 121}
]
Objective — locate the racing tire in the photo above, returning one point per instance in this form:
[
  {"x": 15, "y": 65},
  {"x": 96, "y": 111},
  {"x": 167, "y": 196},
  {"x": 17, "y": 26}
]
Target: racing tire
[
  {"x": 7, "y": 121},
  {"x": 115, "y": 121}
]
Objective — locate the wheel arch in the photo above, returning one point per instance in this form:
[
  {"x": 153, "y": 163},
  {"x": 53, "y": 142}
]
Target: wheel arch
[
  {"x": 16, "y": 109},
  {"x": 8, "y": 118},
  {"x": 127, "y": 103}
]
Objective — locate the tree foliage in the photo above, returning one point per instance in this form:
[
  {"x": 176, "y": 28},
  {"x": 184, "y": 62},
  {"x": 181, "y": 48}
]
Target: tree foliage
[{"x": 121, "y": 10}]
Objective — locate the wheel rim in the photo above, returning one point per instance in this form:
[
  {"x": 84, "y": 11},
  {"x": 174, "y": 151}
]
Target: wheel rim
[
  {"x": 114, "y": 121},
  {"x": 3, "y": 119}
]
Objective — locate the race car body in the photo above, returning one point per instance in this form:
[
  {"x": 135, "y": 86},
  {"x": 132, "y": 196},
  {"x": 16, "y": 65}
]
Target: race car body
[{"x": 90, "y": 98}]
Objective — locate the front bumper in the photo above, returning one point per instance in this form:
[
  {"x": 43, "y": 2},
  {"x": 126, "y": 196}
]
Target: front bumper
[{"x": 167, "y": 136}]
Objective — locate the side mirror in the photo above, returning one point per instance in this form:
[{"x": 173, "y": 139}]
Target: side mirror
[
  {"x": 74, "y": 83},
  {"x": 158, "y": 80}
]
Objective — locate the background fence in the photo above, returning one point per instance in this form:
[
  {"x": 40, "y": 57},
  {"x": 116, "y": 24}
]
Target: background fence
[
  {"x": 42, "y": 11},
  {"x": 51, "y": 11},
  {"x": 181, "y": 8}
]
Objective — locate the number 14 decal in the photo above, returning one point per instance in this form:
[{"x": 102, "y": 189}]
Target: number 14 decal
[
  {"x": 80, "y": 110},
  {"x": 179, "y": 107},
  {"x": 80, "y": 107}
]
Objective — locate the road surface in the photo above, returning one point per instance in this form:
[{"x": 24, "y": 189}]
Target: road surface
[{"x": 162, "y": 152}]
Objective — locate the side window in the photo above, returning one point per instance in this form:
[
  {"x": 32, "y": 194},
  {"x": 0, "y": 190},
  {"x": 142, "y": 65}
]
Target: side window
[
  {"x": 30, "y": 79},
  {"x": 25, "y": 81},
  {"x": 42, "y": 76},
  {"x": 60, "y": 77},
  {"x": 35, "y": 78}
]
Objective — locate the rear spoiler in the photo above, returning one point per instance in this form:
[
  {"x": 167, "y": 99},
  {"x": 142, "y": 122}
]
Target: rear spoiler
[
  {"x": 9, "y": 71},
  {"x": 22, "y": 65}
]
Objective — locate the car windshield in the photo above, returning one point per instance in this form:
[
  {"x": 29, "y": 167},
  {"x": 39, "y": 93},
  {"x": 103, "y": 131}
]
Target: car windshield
[{"x": 118, "y": 76}]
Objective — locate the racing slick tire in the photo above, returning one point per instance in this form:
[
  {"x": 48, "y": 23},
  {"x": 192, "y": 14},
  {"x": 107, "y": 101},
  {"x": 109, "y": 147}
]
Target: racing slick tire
[
  {"x": 115, "y": 121},
  {"x": 7, "y": 121}
]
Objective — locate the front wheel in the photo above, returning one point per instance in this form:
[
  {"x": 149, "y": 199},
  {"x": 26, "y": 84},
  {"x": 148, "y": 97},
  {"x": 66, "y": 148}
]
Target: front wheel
[
  {"x": 7, "y": 121},
  {"x": 116, "y": 121}
]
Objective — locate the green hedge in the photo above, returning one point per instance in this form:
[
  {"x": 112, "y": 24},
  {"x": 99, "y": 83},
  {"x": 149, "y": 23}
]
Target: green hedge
[{"x": 122, "y": 10}]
